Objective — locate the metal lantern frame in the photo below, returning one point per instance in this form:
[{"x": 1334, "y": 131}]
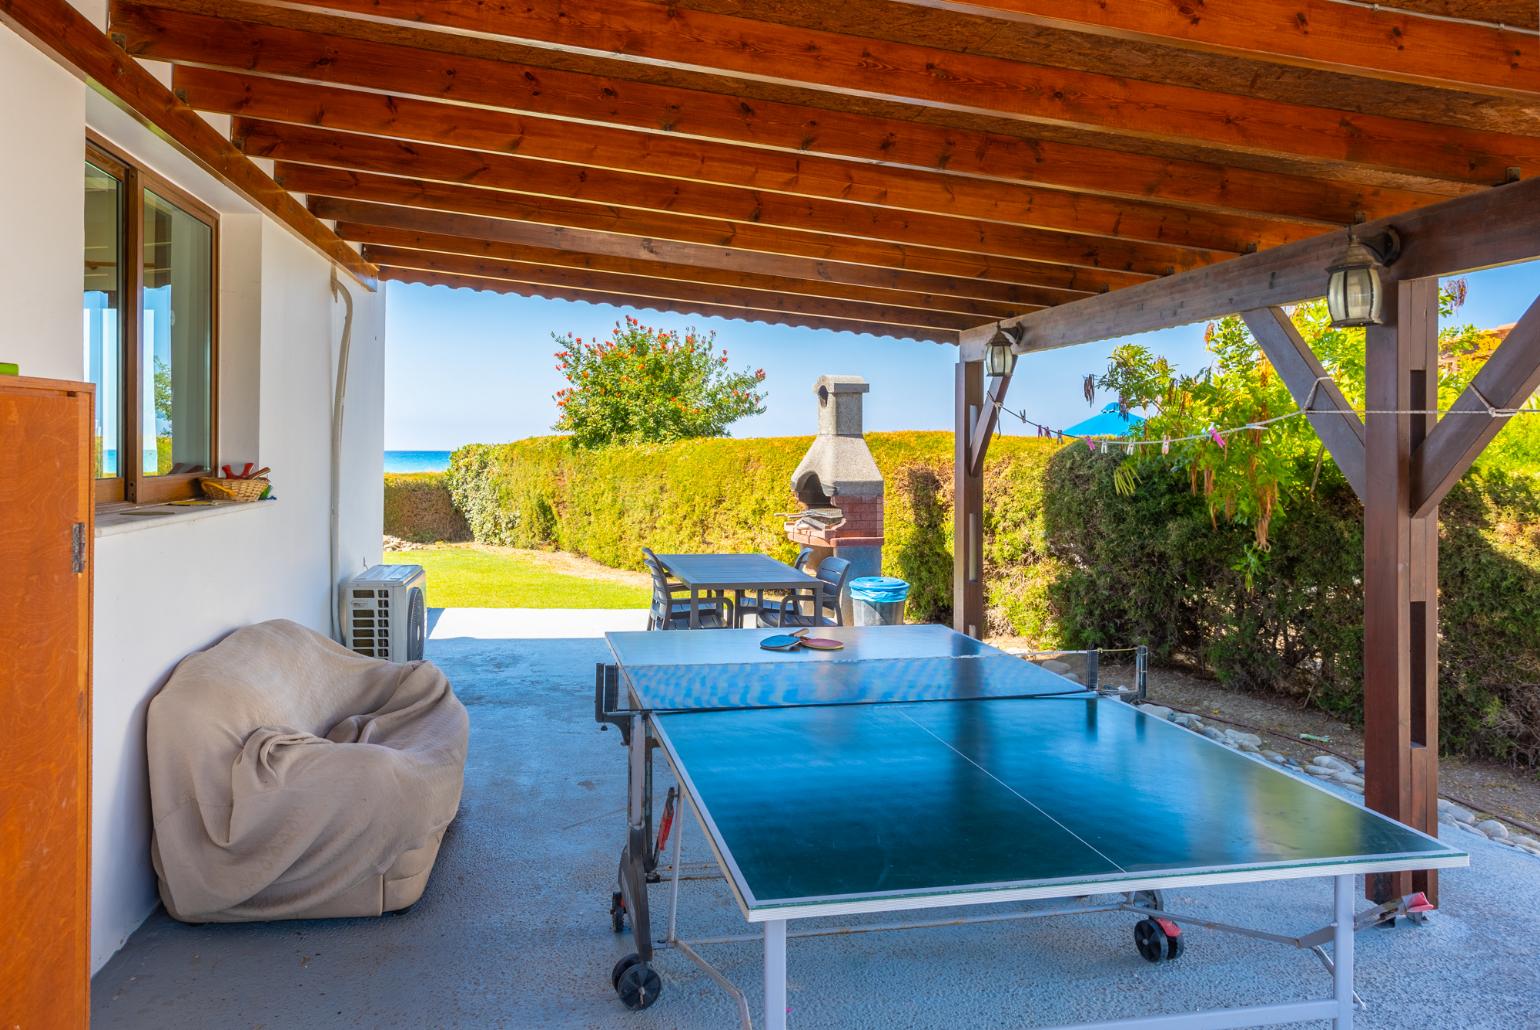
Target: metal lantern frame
[
  {"x": 1000, "y": 354},
  {"x": 1354, "y": 291}
]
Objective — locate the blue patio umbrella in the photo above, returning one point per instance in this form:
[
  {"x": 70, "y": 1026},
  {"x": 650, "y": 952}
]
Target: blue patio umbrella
[{"x": 1110, "y": 422}]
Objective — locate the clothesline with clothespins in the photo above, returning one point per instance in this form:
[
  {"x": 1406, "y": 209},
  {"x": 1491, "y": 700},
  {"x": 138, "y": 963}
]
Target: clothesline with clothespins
[{"x": 1217, "y": 435}]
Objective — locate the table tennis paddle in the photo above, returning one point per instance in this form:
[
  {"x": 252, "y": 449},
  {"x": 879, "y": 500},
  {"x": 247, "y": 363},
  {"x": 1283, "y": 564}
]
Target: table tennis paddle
[
  {"x": 822, "y": 643},
  {"x": 783, "y": 641}
]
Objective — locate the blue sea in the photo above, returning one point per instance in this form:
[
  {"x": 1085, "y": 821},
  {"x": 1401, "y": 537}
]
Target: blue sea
[{"x": 416, "y": 461}]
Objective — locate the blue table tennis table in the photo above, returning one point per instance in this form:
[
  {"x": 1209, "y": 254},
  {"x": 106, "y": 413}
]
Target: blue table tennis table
[{"x": 918, "y": 768}]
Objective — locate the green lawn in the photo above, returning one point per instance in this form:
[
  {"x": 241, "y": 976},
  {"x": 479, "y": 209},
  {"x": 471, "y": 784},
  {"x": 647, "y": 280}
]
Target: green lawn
[{"x": 468, "y": 576}]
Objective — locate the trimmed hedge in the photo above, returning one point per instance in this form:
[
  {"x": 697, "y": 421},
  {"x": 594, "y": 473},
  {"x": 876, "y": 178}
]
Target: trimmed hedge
[
  {"x": 1070, "y": 562},
  {"x": 418, "y": 508}
]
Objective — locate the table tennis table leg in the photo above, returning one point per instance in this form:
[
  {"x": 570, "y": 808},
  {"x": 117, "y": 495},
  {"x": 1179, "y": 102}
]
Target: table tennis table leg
[
  {"x": 1346, "y": 896},
  {"x": 636, "y": 857},
  {"x": 775, "y": 974}
]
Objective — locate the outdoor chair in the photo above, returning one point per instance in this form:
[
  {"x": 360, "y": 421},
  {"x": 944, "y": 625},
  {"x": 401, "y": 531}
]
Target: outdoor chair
[
  {"x": 754, "y": 602},
  {"x": 834, "y": 573},
  {"x": 669, "y": 612}
]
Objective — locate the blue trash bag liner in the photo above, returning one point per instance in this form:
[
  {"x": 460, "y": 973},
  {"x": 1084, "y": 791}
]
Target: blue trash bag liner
[{"x": 878, "y": 589}]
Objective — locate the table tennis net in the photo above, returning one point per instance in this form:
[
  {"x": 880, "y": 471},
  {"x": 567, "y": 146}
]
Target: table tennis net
[{"x": 797, "y": 682}]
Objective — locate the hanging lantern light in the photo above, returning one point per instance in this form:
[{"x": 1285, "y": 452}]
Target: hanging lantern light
[
  {"x": 1353, "y": 288},
  {"x": 999, "y": 355}
]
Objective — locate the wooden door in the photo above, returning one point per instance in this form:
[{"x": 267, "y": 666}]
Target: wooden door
[{"x": 45, "y": 702}]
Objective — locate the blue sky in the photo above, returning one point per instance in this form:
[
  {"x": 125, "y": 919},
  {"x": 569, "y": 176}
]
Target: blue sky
[{"x": 474, "y": 367}]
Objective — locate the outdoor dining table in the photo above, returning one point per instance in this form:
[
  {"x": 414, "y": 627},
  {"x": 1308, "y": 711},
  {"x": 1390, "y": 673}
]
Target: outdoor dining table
[{"x": 740, "y": 573}]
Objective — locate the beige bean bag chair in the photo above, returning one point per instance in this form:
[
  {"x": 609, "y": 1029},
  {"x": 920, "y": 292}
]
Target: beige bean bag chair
[{"x": 293, "y": 779}]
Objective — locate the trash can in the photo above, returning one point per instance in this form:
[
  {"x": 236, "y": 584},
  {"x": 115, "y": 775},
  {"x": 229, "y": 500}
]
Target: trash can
[{"x": 878, "y": 600}]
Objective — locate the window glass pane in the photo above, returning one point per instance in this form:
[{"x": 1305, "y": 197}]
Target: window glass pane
[
  {"x": 177, "y": 322},
  {"x": 101, "y": 304}
]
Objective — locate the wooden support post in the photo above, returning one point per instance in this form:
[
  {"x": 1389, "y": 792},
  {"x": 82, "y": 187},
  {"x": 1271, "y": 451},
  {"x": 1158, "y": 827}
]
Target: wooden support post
[
  {"x": 968, "y": 506},
  {"x": 1401, "y": 579}
]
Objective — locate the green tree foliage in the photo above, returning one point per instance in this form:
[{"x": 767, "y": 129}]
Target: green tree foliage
[
  {"x": 1275, "y": 458},
  {"x": 646, "y": 385}
]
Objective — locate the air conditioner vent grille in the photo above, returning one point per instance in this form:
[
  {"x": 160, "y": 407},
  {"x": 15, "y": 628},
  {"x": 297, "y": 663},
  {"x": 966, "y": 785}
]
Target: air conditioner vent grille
[{"x": 385, "y": 613}]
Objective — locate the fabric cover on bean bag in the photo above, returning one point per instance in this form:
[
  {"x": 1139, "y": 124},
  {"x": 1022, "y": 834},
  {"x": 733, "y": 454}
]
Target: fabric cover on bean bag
[{"x": 293, "y": 779}]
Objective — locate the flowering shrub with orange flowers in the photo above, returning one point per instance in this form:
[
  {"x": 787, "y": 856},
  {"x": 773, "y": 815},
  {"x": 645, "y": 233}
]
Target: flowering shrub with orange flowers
[{"x": 647, "y": 385}]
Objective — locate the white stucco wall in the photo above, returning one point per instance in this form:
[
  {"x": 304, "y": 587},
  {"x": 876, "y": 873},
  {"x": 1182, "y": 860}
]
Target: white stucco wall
[
  {"x": 42, "y": 114},
  {"x": 163, "y": 590}
]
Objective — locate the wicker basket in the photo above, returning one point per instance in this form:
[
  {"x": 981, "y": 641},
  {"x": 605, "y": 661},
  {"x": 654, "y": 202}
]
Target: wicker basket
[{"x": 233, "y": 489}]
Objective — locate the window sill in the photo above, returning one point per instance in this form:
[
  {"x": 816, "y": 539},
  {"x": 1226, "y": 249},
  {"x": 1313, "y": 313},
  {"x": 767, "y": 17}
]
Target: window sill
[{"x": 114, "y": 519}]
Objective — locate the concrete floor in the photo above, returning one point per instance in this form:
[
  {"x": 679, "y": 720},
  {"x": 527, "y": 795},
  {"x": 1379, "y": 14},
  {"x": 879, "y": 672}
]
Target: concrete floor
[{"x": 513, "y": 930}]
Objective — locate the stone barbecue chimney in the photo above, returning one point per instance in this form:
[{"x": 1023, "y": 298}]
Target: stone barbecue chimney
[{"x": 838, "y": 482}]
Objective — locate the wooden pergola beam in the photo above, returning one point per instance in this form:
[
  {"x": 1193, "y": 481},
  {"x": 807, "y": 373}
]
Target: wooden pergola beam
[
  {"x": 406, "y": 239},
  {"x": 57, "y": 29},
  {"x": 1494, "y": 227},
  {"x": 800, "y": 57},
  {"x": 628, "y": 302},
  {"x": 1507, "y": 380},
  {"x": 646, "y": 289},
  {"x": 511, "y": 174},
  {"x": 297, "y": 111},
  {"x": 1333, "y": 419},
  {"x": 1400, "y": 584},
  {"x": 387, "y": 189},
  {"x": 383, "y": 105},
  {"x": 485, "y": 231},
  {"x": 1377, "y": 42}
]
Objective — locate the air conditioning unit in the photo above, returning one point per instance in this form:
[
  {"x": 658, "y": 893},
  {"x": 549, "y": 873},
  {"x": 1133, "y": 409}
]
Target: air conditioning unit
[{"x": 385, "y": 614}]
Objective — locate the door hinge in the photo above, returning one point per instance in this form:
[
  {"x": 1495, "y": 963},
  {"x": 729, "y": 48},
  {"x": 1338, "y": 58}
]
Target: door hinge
[{"x": 78, "y": 547}]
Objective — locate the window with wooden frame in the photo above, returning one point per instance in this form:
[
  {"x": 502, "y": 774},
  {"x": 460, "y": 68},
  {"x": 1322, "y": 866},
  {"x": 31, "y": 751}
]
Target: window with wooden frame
[{"x": 149, "y": 313}]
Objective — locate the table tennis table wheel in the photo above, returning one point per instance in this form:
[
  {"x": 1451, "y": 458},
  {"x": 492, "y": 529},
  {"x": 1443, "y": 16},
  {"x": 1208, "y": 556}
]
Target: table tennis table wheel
[
  {"x": 1158, "y": 939},
  {"x": 617, "y": 912},
  {"x": 637, "y": 983}
]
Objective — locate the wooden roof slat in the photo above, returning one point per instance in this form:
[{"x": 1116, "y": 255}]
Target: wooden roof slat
[
  {"x": 1376, "y": 43},
  {"x": 900, "y": 332},
  {"x": 641, "y": 30},
  {"x": 375, "y": 236},
  {"x": 386, "y": 189},
  {"x": 510, "y": 173},
  {"x": 494, "y": 232},
  {"x": 727, "y": 164},
  {"x": 665, "y": 289},
  {"x": 691, "y": 115},
  {"x": 1148, "y": 61}
]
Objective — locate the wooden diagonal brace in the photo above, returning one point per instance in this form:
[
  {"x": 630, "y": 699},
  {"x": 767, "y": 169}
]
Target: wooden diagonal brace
[
  {"x": 1508, "y": 379},
  {"x": 1338, "y": 426},
  {"x": 984, "y": 424}
]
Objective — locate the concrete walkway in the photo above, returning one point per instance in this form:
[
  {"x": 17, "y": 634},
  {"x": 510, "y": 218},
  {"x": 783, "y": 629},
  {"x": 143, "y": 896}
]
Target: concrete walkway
[{"x": 513, "y": 930}]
